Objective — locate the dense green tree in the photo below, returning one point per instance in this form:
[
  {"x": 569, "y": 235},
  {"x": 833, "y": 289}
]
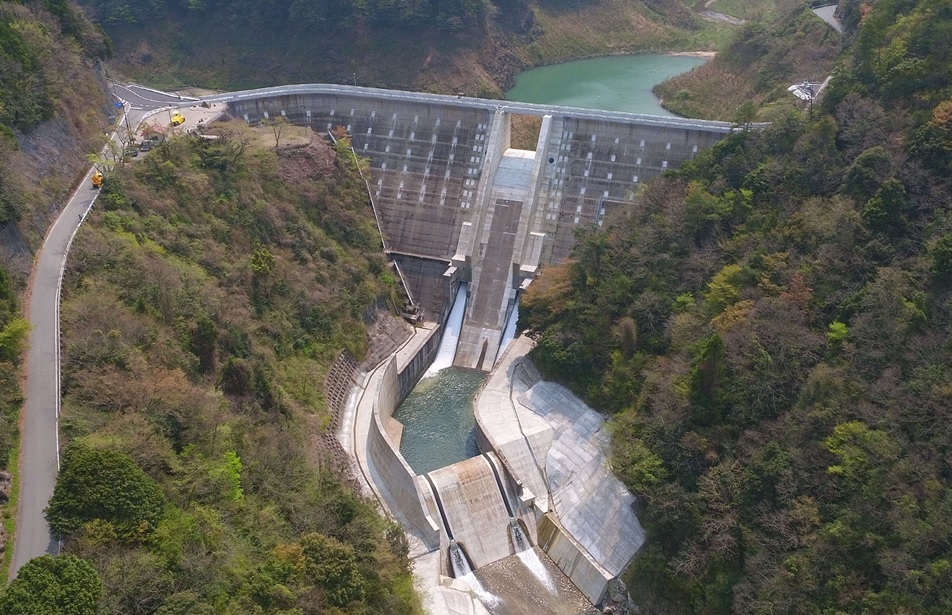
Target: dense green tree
[
  {"x": 941, "y": 253},
  {"x": 100, "y": 484},
  {"x": 885, "y": 212},
  {"x": 47, "y": 585},
  {"x": 707, "y": 384},
  {"x": 185, "y": 603},
  {"x": 13, "y": 331},
  {"x": 13, "y": 336},
  {"x": 8, "y": 298},
  {"x": 868, "y": 172},
  {"x": 203, "y": 343},
  {"x": 332, "y": 566}
]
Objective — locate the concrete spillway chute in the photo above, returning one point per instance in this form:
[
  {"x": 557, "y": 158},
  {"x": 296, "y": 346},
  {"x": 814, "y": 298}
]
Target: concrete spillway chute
[
  {"x": 502, "y": 490},
  {"x": 439, "y": 506},
  {"x": 451, "y": 331},
  {"x": 470, "y": 501}
]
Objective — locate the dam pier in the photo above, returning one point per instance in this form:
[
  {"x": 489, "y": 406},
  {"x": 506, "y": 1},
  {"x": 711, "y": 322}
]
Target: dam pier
[{"x": 469, "y": 222}]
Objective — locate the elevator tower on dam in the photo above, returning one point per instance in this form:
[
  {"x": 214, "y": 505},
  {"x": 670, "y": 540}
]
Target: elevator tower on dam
[{"x": 452, "y": 195}]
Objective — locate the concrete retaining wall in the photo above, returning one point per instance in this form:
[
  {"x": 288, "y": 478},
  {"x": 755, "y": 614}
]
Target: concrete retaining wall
[
  {"x": 397, "y": 476},
  {"x": 572, "y": 559},
  {"x": 411, "y": 372}
]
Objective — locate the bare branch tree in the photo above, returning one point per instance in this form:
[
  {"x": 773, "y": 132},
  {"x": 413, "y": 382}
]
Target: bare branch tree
[{"x": 277, "y": 125}]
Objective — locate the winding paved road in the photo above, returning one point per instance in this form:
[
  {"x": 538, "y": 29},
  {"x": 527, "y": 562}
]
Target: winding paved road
[
  {"x": 39, "y": 459},
  {"x": 40, "y": 443},
  {"x": 141, "y": 98}
]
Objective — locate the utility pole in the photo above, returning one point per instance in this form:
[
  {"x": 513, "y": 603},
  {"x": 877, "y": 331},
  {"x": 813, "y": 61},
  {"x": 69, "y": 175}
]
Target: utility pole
[
  {"x": 355, "y": 80},
  {"x": 307, "y": 120},
  {"x": 125, "y": 116}
]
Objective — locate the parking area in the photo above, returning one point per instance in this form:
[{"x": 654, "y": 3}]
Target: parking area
[
  {"x": 198, "y": 115},
  {"x": 171, "y": 121}
]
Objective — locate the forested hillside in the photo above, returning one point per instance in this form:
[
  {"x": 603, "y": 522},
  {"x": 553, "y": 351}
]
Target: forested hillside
[
  {"x": 770, "y": 327},
  {"x": 205, "y": 298},
  {"x": 756, "y": 67},
  {"x": 52, "y": 108},
  {"x": 470, "y": 46},
  {"x": 49, "y": 119}
]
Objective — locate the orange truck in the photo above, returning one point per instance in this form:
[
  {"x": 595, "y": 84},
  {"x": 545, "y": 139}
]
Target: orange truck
[{"x": 97, "y": 180}]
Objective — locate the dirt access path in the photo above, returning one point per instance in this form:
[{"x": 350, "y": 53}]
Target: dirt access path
[{"x": 715, "y": 16}]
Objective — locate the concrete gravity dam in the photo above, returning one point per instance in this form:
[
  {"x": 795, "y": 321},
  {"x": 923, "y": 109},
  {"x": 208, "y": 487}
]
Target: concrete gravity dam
[
  {"x": 448, "y": 188},
  {"x": 469, "y": 222}
]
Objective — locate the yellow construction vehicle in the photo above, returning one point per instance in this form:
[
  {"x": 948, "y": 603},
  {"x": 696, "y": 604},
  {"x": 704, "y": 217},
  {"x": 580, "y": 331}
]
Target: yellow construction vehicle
[
  {"x": 178, "y": 119},
  {"x": 97, "y": 180}
]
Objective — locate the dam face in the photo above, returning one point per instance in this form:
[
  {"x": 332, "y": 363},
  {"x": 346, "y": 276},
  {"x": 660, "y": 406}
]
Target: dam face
[{"x": 447, "y": 187}]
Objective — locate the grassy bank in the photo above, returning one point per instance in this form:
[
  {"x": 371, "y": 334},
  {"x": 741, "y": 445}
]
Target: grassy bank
[
  {"x": 611, "y": 27},
  {"x": 10, "y": 511}
]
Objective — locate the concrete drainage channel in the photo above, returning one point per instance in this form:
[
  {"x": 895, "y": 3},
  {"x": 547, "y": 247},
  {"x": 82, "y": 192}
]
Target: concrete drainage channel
[{"x": 511, "y": 551}]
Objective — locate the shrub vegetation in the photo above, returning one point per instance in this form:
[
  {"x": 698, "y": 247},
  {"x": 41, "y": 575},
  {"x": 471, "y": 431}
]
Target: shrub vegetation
[
  {"x": 784, "y": 413},
  {"x": 205, "y": 298},
  {"x": 47, "y": 585}
]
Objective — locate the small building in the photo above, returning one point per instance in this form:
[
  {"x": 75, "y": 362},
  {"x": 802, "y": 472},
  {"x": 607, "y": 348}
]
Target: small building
[{"x": 154, "y": 132}]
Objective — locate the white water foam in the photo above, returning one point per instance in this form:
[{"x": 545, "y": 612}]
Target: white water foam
[
  {"x": 529, "y": 558},
  {"x": 462, "y": 571},
  {"x": 509, "y": 333},
  {"x": 454, "y": 323}
]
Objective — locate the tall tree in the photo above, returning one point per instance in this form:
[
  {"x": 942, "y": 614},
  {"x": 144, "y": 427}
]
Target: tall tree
[
  {"x": 107, "y": 485},
  {"x": 46, "y": 585}
]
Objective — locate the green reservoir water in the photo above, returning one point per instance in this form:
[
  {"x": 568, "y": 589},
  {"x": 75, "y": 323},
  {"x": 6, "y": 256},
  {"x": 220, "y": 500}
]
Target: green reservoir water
[
  {"x": 438, "y": 424},
  {"x": 614, "y": 83}
]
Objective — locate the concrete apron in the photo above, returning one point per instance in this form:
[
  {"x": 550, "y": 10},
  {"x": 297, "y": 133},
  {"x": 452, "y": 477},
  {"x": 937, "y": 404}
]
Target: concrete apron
[{"x": 521, "y": 437}]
